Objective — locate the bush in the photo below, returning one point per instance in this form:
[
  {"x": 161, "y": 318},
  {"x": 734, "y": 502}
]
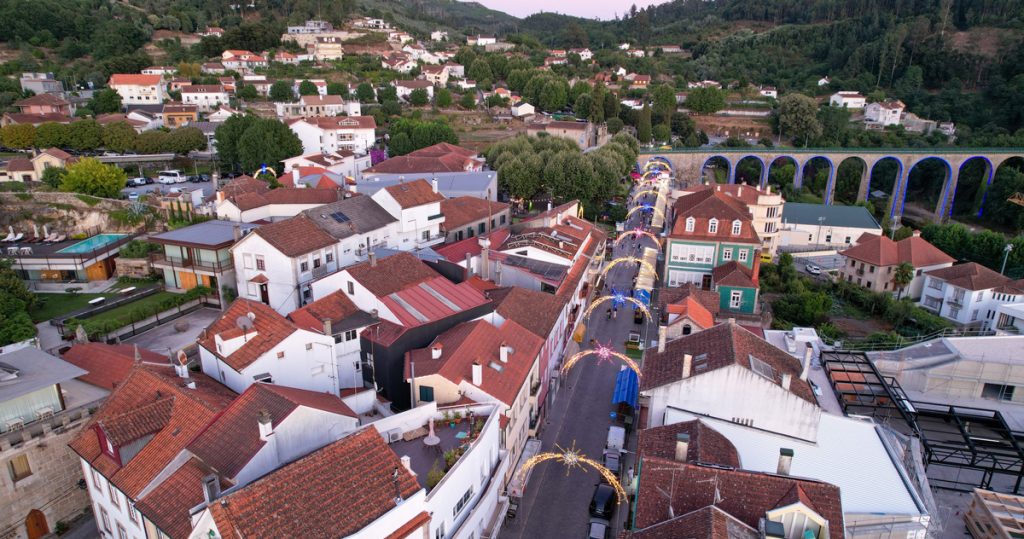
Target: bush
[
  {"x": 90, "y": 200},
  {"x": 138, "y": 249}
]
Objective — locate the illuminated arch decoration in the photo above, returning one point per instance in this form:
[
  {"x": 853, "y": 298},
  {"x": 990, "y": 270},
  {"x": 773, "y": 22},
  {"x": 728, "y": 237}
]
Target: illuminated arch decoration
[
  {"x": 636, "y": 232},
  {"x": 618, "y": 299},
  {"x": 572, "y": 458},
  {"x": 603, "y": 352},
  {"x": 644, "y": 265},
  {"x": 649, "y": 192},
  {"x": 264, "y": 169},
  {"x": 645, "y": 208}
]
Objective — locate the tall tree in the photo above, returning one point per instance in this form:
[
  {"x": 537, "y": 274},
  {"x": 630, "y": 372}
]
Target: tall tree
[
  {"x": 798, "y": 118},
  {"x": 90, "y": 177},
  {"x": 281, "y": 92},
  {"x": 267, "y": 142},
  {"x": 119, "y": 137},
  {"x": 18, "y": 136},
  {"x": 227, "y": 136},
  {"x": 643, "y": 127}
]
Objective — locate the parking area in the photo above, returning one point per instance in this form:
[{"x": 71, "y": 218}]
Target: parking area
[
  {"x": 166, "y": 339},
  {"x": 207, "y": 188},
  {"x": 826, "y": 264}
]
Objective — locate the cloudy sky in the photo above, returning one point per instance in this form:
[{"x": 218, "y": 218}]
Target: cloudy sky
[{"x": 603, "y": 9}]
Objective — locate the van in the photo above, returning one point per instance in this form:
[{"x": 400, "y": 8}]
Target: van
[
  {"x": 616, "y": 439},
  {"x": 171, "y": 176}
]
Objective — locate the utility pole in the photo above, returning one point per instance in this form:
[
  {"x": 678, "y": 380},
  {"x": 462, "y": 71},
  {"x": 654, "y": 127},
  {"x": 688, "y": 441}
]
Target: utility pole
[
  {"x": 821, "y": 219},
  {"x": 1006, "y": 255}
]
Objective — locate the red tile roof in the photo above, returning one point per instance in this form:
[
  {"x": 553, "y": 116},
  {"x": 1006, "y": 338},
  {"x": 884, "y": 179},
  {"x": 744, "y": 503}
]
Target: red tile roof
[
  {"x": 973, "y": 276},
  {"x": 442, "y": 157},
  {"x": 231, "y": 440},
  {"x": 706, "y": 445},
  {"x": 690, "y": 307},
  {"x": 36, "y": 119},
  {"x": 20, "y": 164},
  {"x": 746, "y": 496},
  {"x": 335, "y": 491},
  {"x": 41, "y": 100},
  {"x": 296, "y": 236},
  {"x": 708, "y": 522},
  {"x": 461, "y": 211},
  {"x": 479, "y": 341},
  {"x": 335, "y": 307},
  {"x": 881, "y": 251},
  {"x": 432, "y": 300},
  {"x": 536, "y": 311},
  {"x": 168, "y": 504},
  {"x": 202, "y": 89},
  {"x": 147, "y": 400},
  {"x": 271, "y": 328},
  {"x": 119, "y": 79},
  {"x": 721, "y": 346},
  {"x": 733, "y": 273},
  {"x": 392, "y": 273},
  {"x": 285, "y": 195},
  {"x": 319, "y": 101},
  {"x": 109, "y": 364},
  {"x": 414, "y": 193},
  {"x": 709, "y": 204}
]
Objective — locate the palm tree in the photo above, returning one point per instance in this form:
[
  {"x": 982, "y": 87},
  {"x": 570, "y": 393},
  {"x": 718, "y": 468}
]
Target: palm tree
[{"x": 901, "y": 277}]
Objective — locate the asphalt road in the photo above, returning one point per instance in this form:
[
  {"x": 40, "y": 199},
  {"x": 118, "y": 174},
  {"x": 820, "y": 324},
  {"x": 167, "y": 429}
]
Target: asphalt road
[
  {"x": 207, "y": 187},
  {"x": 556, "y": 501}
]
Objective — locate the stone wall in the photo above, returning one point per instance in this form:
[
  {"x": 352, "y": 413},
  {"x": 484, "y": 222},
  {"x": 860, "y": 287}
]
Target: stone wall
[
  {"x": 56, "y": 470},
  {"x": 138, "y": 268}
]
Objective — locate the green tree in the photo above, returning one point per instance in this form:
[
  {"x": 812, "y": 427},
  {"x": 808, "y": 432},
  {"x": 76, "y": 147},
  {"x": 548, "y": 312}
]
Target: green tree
[
  {"x": 85, "y": 135},
  {"x": 392, "y": 107},
  {"x": 611, "y": 105},
  {"x": 364, "y": 93},
  {"x": 705, "y": 100},
  {"x": 400, "y": 144},
  {"x": 662, "y": 133},
  {"x": 227, "y": 136},
  {"x": 154, "y": 141},
  {"x": 798, "y": 118},
  {"x": 519, "y": 179},
  {"x": 419, "y": 97},
  {"x": 597, "y": 103},
  {"x": 53, "y": 176},
  {"x": 643, "y": 126},
  {"x": 246, "y": 91},
  {"x": 90, "y": 177},
  {"x": 281, "y": 92},
  {"x": 186, "y": 139},
  {"x": 468, "y": 101},
  {"x": 582, "y": 106},
  {"x": 105, "y": 101},
  {"x": 337, "y": 88},
  {"x": 119, "y": 137},
  {"x": 15, "y": 301},
  {"x": 579, "y": 88},
  {"x": 307, "y": 88},
  {"x": 553, "y": 97},
  {"x": 52, "y": 135},
  {"x": 18, "y": 136},
  {"x": 443, "y": 98},
  {"x": 386, "y": 94},
  {"x": 901, "y": 277},
  {"x": 615, "y": 125},
  {"x": 268, "y": 142},
  {"x": 664, "y": 103},
  {"x": 480, "y": 71}
]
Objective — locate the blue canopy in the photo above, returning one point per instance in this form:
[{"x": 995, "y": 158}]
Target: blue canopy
[
  {"x": 644, "y": 296},
  {"x": 627, "y": 388}
]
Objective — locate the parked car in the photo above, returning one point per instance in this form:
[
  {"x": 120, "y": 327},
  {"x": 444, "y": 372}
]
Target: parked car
[
  {"x": 602, "y": 504},
  {"x": 171, "y": 176},
  {"x": 598, "y": 528},
  {"x": 134, "y": 195},
  {"x": 611, "y": 461},
  {"x": 813, "y": 269},
  {"x": 136, "y": 182},
  {"x": 199, "y": 178}
]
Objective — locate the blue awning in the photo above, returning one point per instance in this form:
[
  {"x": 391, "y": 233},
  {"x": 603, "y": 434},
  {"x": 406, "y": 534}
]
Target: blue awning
[
  {"x": 627, "y": 388},
  {"x": 644, "y": 296}
]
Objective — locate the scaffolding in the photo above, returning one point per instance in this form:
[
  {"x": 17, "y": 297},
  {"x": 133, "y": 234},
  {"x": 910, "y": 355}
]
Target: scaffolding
[{"x": 952, "y": 437}]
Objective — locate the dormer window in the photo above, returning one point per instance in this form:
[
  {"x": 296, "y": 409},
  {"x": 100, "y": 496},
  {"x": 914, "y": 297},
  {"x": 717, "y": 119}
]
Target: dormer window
[
  {"x": 690, "y": 223},
  {"x": 736, "y": 226},
  {"x": 713, "y": 226}
]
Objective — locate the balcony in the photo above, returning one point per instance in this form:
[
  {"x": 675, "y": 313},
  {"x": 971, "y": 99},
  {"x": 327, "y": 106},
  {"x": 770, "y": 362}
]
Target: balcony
[
  {"x": 319, "y": 272},
  {"x": 174, "y": 262},
  {"x": 956, "y": 300}
]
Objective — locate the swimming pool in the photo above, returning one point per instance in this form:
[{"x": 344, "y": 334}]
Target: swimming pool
[{"x": 91, "y": 244}]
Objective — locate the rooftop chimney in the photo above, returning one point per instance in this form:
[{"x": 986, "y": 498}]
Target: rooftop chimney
[
  {"x": 327, "y": 327},
  {"x": 211, "y": 488},
  {"x": 469, "y": 265},
  {"x": 687, "y": 363},
  {"x": 916, "y": 233},
  {"x": 739, "y": 192},
  {"x": 266, "y": 427},
  {"x": 435, "y": 351},
  {"x": 732, "y": 321},
  {"x": 785, "y": 461},
  {"x": 549, "y": 205},
  {"x": 682, "y": 446},
  {"x": 295, "y": 176},
  {"x": 407, "y": 462},
  {"x": 373, "y": 259},
  {"x": 478, "y": 374},
  {"x": 808, "y": 358},
  {"x": 787, "y": 379},
  {"x": 503, "y": 351},
  {"x": 434, "y": 185},
  {"x": 220, "y": 196},
  {"x": 662, "y": 337},
  {"x": 236, "y": 232}
]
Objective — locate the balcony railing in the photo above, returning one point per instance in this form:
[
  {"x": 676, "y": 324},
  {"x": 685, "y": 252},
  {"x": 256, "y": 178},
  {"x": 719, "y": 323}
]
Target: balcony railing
[
  {"x": 534, "y": 389},
  {"x": 200, "y": 265},
  {"x": 956, "y": 300},
  {"x": 321, "y": 271}
]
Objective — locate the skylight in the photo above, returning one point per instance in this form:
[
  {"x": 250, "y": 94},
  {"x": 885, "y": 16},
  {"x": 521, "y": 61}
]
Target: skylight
[{"x": 762, "y": 368}]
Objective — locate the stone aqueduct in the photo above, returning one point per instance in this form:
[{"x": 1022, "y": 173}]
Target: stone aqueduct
[{"x": 689, "y": 165}]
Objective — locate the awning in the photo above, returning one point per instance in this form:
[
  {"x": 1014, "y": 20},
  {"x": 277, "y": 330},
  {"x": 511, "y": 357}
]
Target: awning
[
  {"x": 642, "y": 295},
  {"x": 517, "y": 485},
  {"x": 627, "y": 388},
  {"x": 259, "y": 279}
]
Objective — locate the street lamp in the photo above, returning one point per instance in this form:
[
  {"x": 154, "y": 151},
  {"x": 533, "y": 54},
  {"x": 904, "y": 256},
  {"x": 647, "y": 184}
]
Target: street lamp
[
  {"x": 1006, "y": 256},
  {"x": 821, "y": 219}
]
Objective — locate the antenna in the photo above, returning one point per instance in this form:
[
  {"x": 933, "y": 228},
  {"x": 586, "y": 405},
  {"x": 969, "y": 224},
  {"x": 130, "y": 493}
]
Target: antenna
[
  {"x": 182, "y": 358},
  {"x": 244, "y": 322}
]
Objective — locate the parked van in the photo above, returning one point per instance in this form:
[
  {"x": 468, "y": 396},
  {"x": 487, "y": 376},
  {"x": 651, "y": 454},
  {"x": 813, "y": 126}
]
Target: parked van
[
  {"x": 616, "y": 438},
  {"x": 171, "y": 176}
]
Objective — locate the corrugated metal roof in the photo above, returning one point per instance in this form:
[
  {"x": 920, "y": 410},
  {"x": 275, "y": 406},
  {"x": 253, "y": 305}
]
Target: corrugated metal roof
[{"x": 844, "y": 216}]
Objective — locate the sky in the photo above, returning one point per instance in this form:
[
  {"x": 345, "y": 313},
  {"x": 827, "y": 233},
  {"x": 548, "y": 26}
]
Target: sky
[{"x": 602, "y": 9}]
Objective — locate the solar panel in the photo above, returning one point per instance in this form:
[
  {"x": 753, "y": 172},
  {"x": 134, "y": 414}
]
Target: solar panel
[{"x": 339, "y": 217}]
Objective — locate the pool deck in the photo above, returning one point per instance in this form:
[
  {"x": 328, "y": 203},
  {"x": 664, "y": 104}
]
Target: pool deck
[{"x": 51, "y": 250}]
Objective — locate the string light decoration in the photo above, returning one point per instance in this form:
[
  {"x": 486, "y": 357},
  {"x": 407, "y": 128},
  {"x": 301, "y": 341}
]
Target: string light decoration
[{"x": 572, "y": 458}]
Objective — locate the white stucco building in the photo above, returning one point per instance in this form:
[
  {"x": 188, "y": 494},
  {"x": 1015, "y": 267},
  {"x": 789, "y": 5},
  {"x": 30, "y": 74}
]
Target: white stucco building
[
  {"x": 849, "y": 100},
  {"x": 330, "y": 134},
  {"x": 206, "y": 97},
  {"x": 139, "y": 89},
  {"x": 969, "y": 294},
  {"x": 417, "y": 206}
]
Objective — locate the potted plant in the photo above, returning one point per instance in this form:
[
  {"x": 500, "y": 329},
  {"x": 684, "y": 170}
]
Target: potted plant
[
  {"x": 450, "y": 457},
  {"x": 458, "y": 417}
]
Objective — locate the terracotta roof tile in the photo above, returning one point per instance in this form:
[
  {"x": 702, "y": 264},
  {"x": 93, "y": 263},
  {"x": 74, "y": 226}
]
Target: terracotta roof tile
[
  {"x": 168, "y": 505},
  {"x": 296, "y": 236},
  {"x": 20, "y": 164},
  {"x": 972, "y": 276},
  {"x": 41, "y": 100},
  {"x": 441, "y": 157},
  {"x": 690, "y": 307},
  {"x": 461, "y": 211},
  {"x": 335, "y": 307},
  {"x": 534, "y": 310},
  {"x": 271, "y": 328},
  {"x": 707, "y": 522},
  {"x": 414, "y": 193},
  {"x": 706, "y": 445},
  {"x": 352, "y": 479},
  {"x": 119, "y": 79},
  {"x": 392, "y": 273},
  {"x": 733, "y": 273},
  {"x": 284, "y": 195},
  {"x": 36, "y": 119},
  {"x": 109, "y": 364},
  {"x": 721, "y": 346},
  {"x": 231, "y": 440},
  {"x": 882, "y": 251},
  {"x": 709, "y": 204}
]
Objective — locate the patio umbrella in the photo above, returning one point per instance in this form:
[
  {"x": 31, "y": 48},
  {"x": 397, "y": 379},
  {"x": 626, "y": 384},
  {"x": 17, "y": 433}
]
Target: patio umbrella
[
  {"x": 35, "y": 231},
  {"x": 11, "y": 230},
  {"x": 46, "y": 231}
]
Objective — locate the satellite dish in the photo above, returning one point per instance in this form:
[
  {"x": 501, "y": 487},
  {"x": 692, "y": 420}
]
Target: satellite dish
[
  {"x": 182, "y": 358},
  {"x": 244, "y": 323}
]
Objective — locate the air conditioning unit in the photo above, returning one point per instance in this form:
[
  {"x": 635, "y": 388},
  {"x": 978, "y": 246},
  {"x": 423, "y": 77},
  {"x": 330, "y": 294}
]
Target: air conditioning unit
[
  {"x": 394, "y": 435},
  {"x": 13, "y": 425},
  {"x": 44, "y": 413}
]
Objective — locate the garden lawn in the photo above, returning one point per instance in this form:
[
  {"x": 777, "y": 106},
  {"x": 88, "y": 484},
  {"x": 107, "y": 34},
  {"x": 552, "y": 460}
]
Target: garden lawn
[
  {"x": 54, "y": 305},
  {"x": 123, "y": 313}
]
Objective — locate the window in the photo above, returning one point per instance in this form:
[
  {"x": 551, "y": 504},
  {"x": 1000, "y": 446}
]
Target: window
[
  {"x": 133, "y": 515},
  {"x": 687, "y": 329},
  {"x": 847, "y": 240},
  {"x": 743, "y": 254},
  {"x": 114, "y": 498},
  {"x": 316, "y": 261},
  {"x": 463, "y": 502},
  {"x": 329, "y": 257},
  {"x": 121, "y": 533},
  {"x": 96, "y": 479},
  {"x": 998, "y": 392},
  {"x": 828, "y": 238},
  {"x": 871, "y": 269},
  {"x": 736, "y": 227},
  {"x": 727, "y": 254},
  {"x": 713, "y": 226},
  {"x": 260, "y": 264},
  {"x": 350, "y": 335},
  {"x": 351, "y": 288},
  {"x": 303, "y": 266},
  {"x": 307, "y": 293},
  {"x": 974, "y": 315},
  {"x": 501, "y": 219},
  {"x": 735, "y": 299},
  {"x": 690, "y": 223},
  {"x": 19, "y": 468},
  {"x": 252, "y": 289},
  {"x": 426, "y": 394},
  {"x": 762, "y": 368},
  {"x": 426, "y": 233},
  {"x": 853, "y": 263},
  {"x": 105, "y": 518},
  {"x": 481, "y": 228},
  {"x": 247, "y": 261}
]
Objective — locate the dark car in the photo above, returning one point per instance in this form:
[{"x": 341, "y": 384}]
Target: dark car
[
  {"x": 602, "y": 504},
  {"x": 598, "y": 528}
]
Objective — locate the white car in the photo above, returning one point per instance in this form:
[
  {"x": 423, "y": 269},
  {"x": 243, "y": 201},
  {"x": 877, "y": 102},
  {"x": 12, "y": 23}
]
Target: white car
[
  {"x": 813, "y": 269},
  {"x": 171, "y": 176}
]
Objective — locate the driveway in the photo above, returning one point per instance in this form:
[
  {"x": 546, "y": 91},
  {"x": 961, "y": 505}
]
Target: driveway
[{"x": 167, "y": 340}]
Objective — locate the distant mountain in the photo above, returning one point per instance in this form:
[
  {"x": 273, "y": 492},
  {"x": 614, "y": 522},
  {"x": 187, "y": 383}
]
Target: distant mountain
[{"x": 466, "y": 18}]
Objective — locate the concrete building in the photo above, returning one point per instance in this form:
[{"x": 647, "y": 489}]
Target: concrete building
[
  {"x": 848, "y": 100},
  {"x": 328, "y": 48},
  {"x": 40, "y": 83},
  {"x": 969, "y": 294},
  {"x": 523, "y": 109},
  {"x": 585, "y": 134},
  {"x": 884, "y": 113},
  {"x": 765, "y": 208},
  {"x": 344, "y": 163},
  {"x": 481, "y": 40},
  {"x": 138, "y": 89},
  {"x": 482, "y": 184},
  {"x": 325, "y": 135},
  {"x": 199, "y": 255},
  {"x": 310, "y": 106},
  {"x": 441, "y": 157},
  {"x": 206, "y": 97},
  {"x": 466, "y": 215},
  {"x": 817, "y": 227},
  {"x": 417, "y": 207},
  {"x": 406, "y": 87},
  {"x": 873, "y": 259}
]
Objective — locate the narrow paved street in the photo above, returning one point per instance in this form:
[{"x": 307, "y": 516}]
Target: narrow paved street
[{"x": 556, "y": 501}]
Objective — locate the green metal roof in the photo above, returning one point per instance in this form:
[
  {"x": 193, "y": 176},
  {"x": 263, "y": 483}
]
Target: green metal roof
[{"x": 842, "y": 216}]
